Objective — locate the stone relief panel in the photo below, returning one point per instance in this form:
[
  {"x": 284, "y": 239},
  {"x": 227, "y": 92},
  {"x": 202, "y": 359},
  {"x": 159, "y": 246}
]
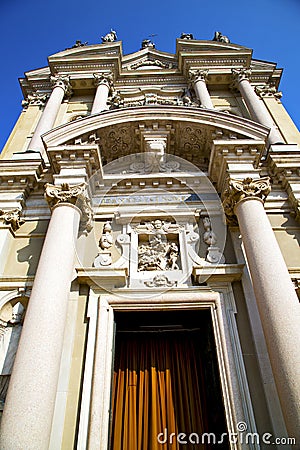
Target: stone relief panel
[{"x": 158, "y": 245}]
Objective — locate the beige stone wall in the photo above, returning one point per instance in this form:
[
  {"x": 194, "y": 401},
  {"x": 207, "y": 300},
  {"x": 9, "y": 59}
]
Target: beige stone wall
[
  {"x": 22, "y": 132},
  {"x": 226, "y": 100},
  {"x": 25, "y": 249},
  {"x": 287, "y": 232},
  {"x": 282, "y": 119}
]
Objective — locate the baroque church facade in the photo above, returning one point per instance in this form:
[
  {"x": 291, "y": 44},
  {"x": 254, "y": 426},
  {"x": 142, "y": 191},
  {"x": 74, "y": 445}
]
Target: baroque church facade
[{"x": 149, "y": 241}]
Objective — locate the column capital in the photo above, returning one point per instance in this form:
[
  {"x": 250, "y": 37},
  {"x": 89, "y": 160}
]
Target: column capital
[
  {"x": 12, "y": 218},
  {"x": 74, "y": 195},
  {"x": 238, "y": 190},
  {"x": 267, "y": 90},
  {"x": 36, "y": 98},
  {"x": 105, "y": 78},
  {"x": 241, "y": 74},
  {"x": 197, "y": 75},
  {"x": 62, "y": 81}
]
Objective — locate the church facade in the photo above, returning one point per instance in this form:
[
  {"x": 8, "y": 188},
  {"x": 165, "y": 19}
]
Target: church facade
[{"x": 149, "y": 240}]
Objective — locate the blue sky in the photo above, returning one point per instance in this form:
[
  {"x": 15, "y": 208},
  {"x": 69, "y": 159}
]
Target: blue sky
[{"x": 31, "y": 30}]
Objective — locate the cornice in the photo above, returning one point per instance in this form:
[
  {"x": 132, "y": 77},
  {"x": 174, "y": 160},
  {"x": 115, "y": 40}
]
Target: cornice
[{"x": 20, "y": 174}]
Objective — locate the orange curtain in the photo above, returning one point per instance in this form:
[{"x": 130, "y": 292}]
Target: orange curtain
[{"x": 157, "y": 391}]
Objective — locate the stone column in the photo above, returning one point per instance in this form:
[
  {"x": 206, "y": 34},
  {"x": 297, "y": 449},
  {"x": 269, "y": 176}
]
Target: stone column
[
  {"x": 103, "y": 82},
  {"x": 27, "y": 418},
  {"x": 61, "y": 87},
  {"x": 275, "y": 294},
  {"x": 197, "y": 79},
  {"x": 256, "y": 107}
]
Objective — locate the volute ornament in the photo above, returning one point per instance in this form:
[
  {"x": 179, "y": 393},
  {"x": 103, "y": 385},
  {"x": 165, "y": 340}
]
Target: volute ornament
[
  {"x": 75, "y": 195},
  {"x": 238, "y": 190},
  {"x": 12, "y": 218}
]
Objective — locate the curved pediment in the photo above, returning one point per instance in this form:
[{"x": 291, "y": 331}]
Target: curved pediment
[{"x": 188, "y": 132}]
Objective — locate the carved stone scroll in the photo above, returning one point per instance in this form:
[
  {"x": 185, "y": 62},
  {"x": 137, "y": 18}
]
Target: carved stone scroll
[{"x": 12, "y": 218}]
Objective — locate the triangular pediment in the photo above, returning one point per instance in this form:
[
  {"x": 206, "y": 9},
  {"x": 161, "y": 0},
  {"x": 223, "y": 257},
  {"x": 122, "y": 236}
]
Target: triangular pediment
[{"x": 149, "y": 59}]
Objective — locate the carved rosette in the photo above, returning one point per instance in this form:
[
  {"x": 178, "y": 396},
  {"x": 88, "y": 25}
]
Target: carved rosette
[
  {"x": 12, "y": 218},
  {"x": 75, "y": 195},
  {"x": 238, "y": 190},
  {"x": 197, "y": 75},
  {"x": 62, "y": 81},
  {"x": 105, "y": 78}
]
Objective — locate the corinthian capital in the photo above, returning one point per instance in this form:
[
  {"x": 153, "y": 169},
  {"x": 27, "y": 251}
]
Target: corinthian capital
[
  {"x": 12, "y": 218},
  {"x": 241, "y": 74},
  {"x": 197, "y": 75},
  {"x": 103, "y": 78},
  {"x": 74, "y": 195},
  {"x": 267, "y": 90},
  {"x": 238, "y": 190},
  {"x": 62, "y": 81}
]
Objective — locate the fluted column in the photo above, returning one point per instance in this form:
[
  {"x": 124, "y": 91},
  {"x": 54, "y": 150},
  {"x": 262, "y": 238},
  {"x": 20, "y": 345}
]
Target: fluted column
[
  {"x": 103, "y": 82},
  {"x": 197, "y": 79},
  {"x": 256, "y": 107},
  {"x": 27, "y": 418},
  {"x": 61, "y": 87},
  {"x": 274, "y": 291}
]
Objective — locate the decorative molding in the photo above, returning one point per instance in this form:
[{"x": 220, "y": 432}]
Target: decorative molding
[
  {"x": 74, "y": 195},
  {"x": 238, "y": 190},
  {"x": 157, "y": 225},
  {"x": 12, "y": 218},
  {"x": 160, "y": 281}
]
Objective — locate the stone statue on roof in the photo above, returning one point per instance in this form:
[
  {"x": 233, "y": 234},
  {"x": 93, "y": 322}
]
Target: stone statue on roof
[
  {"x": 109, "y": 37},
  {"x": 187, "y": 36},
  {"x": 221, "y": 38}
]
